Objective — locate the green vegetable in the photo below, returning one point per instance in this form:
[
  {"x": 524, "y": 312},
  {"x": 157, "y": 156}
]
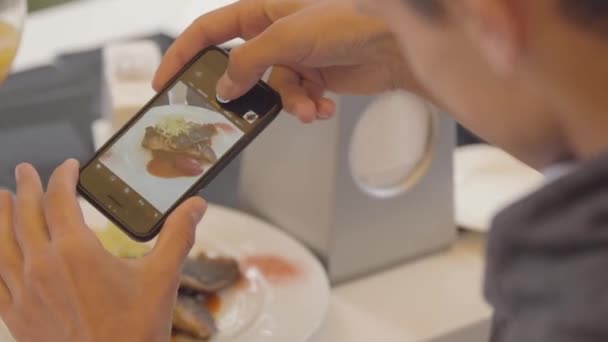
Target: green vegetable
[{"x": 173, "y": 126}]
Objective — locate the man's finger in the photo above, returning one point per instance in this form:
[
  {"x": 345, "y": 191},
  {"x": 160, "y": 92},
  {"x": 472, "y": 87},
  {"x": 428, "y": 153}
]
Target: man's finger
[
  {"x": 213, "y": 28},
  {"x": 177, "y": 235},
  {"x": 249, "y": 61},
  {"x": 291, "y": 41},
  {"x": 30, "y": 225},
  {"x": 11, "y": 261},
  {"x": 242, "y": 19},
  {"x": 295, "y": 98},
  {"x": 5, "y": 297},
  {"x": 61, "y": 207},
  {"x": 325, "y": 107}
]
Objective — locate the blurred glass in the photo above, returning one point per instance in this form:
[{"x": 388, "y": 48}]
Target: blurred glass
[{"x": 12, "y": 18}]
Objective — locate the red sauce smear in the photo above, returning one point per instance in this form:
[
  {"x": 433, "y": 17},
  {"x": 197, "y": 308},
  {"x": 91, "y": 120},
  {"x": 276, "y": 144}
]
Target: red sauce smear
[
  {"x": 171, "y": 165},
  {"x": 213, "y": 303},
  {"x": 275, "y": 268}
]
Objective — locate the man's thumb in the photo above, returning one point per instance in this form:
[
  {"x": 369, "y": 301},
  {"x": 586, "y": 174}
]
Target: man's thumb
[{"x": 178, "y": 234}]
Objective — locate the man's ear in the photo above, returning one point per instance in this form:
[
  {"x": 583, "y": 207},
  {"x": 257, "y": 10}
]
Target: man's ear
[{"x": 497, "y": 29}]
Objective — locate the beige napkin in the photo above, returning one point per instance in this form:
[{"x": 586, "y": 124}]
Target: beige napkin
[{"x": 487, "y": 180}]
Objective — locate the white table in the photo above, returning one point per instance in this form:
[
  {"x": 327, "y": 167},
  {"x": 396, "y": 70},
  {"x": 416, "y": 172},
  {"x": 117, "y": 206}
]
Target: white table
[
  {"x": 89, "y": 23},
  {"x": 436, "y": 299}
]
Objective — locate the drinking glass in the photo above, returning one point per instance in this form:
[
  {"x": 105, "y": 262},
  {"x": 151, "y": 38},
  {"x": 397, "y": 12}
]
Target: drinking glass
[{"x": 12, "y": 18}]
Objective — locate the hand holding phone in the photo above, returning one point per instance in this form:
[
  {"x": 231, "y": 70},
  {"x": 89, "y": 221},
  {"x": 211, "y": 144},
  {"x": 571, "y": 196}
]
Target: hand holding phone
[
  {"x": 64, "y": 286},
  {"x": 170, "y": 150}
]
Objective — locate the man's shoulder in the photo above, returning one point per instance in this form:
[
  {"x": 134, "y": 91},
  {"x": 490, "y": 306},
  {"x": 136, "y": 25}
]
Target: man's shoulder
[
  {"x": 547, "y": 257},
  {"x": 575, "y": 196}
]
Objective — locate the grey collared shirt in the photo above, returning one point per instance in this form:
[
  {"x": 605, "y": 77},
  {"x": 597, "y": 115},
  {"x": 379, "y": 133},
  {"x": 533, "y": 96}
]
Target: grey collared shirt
[{"x": 547, "y": 262}]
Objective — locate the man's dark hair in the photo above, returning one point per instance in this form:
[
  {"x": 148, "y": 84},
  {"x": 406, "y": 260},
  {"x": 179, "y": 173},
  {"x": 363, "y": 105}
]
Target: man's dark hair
[
  {"x": 591, "y": 13},
  {"x": 429, "y": 8}
]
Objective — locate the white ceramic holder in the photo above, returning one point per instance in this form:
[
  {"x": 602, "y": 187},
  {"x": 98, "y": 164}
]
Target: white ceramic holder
[{"x": 366, "y": 190}]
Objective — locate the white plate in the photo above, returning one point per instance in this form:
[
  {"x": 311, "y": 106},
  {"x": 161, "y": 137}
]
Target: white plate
[
  {"x": 265, "y": 310},
  {"x": 487, "y": 180},
  {"x": 128, "y": 160}
]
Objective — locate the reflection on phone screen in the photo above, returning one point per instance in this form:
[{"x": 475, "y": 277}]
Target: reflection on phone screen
[{"x": 165, "y": 152}]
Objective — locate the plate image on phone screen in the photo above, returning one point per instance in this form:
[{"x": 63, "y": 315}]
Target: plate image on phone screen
[{"x": 170, "y": 146}]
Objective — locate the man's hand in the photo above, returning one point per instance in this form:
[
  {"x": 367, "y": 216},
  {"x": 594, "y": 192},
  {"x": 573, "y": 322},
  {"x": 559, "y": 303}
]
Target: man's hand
[
  {"x": 315, "y": 46},
  {"x": 57, "y": 283}
]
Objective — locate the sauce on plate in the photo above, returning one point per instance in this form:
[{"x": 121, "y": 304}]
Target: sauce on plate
[
  {"x": 163, "y": 165},
  {"x": 213, "y": 303},
  {"x": 275, "y": 268}
]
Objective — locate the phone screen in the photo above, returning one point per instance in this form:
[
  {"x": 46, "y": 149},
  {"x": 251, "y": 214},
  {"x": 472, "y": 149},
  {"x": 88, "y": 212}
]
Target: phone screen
[{"x": 174, "y": 143}]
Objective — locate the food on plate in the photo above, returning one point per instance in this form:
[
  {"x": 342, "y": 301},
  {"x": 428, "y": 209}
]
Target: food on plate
[
  {"x": 180, "y": 148},
  {"x": 275, "y": 268},
  {"x": 203, "y": 279},
  {"x": 176, "y": 135},
  {"x": 119, "y": 244},
  {"x": 208, "y": 275},
  {"x": 192, "y": 319}
]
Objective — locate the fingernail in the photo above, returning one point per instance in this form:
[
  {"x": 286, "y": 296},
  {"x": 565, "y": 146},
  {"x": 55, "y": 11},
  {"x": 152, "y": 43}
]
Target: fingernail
[
  {"x": 198, "y": 211},
  {"x": 226, "y": 89},
  {"x": 19, "y": 172},
  {"x": 73, "y": 166},
  {"x": 73, "y": 163},
  {"x": 221, "y": 99},
  {"x": 323, "y": 116}
]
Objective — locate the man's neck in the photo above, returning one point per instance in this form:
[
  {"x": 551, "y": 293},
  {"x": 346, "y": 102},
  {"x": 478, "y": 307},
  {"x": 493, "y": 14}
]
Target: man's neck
[
  {"x": 587, "y": 135},
  {"x": 558, "y": 170}
]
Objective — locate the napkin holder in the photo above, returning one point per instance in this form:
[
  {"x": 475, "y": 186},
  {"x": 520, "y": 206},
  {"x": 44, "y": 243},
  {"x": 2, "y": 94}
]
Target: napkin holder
[{"x": 301, "y": 178}]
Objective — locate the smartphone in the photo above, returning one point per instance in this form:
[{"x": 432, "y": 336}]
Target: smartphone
[{"x": 174, "y": 146}]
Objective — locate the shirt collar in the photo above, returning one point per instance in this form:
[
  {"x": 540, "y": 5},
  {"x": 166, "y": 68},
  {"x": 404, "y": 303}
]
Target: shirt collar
[{"x": 559, "y": 170}]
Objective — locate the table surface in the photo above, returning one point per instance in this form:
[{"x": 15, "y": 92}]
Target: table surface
[{"x": 437, "y": 298}]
